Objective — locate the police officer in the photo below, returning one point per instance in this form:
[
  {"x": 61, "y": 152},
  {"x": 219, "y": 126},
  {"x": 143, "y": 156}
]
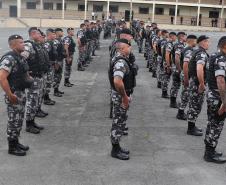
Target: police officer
[
  {"x": 176, "y": 55},
  {"x": 216, "y": 102},
  {"x": 141, "y": 36},
  {"x": 147, "y": 41},
  {"x": 58, "y": 67},
  {"x": 14, "y": 79},
  {"x": 155, "y": 52},
  {"x": 51, "y": 47},
  {"x": 197, "y": 66},
  {"x": 89, "y": 37},
  {"x": 159, "y": 46},
  {"x": 82, "y": 42},
  {"x": 35, "y": 57},
  {"x": 69, "y": 46},
  {"x": 184, "y": 61},
  {"x": 122, "y": 78},
  {"x": 95, "y": 38},
  {"x": 167, "y": 62}
]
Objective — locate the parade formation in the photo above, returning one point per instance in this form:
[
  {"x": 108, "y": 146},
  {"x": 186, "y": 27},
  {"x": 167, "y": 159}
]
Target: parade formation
[{"x": 180, "y": 63}]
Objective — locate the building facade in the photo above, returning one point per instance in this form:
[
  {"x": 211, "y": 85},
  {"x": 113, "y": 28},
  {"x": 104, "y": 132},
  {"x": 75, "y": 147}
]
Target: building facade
[{"x": 192, "y": 12}]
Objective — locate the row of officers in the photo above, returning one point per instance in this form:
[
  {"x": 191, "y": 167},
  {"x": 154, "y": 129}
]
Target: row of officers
[
  {"x": 183, "y": 60},
  {"x": 33, "y": 67}
]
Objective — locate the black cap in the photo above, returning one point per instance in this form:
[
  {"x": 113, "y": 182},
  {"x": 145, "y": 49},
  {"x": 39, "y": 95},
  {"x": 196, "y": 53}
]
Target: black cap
[
  {"x": 50, "y": 30},
  {"x": 32, "y": 29},
  {"x": 125, "y": 41},
  {"x": 173, "y": 33},
  {"x": 126, "y": 31},
  {"x": 191, "y": 37},
  {"x": 165, "y": 31},
  {"x": 58, "y": 29},
  {"x": 221, "y": 41},
  {"x": 181, "y": 33},
  {"x": 202, "y": 38},
  {"x": 14, "y": 37}
]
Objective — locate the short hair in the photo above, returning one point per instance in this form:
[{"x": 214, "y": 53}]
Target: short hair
[
  {"x": 173, "y": 33},
  {"x": 81, "y": 25},
  {"x": 191, "y": 37},
  {"x": 31, "y": 29},
  {"x": 58, "y": 29},
  {"x": 222, "y": 42},
  {"x": 69, "y": 29}
]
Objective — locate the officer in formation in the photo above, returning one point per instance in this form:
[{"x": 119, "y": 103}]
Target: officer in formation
[
  {"x": 185, "y": 60},
  {"x": 28, "y": 73}
]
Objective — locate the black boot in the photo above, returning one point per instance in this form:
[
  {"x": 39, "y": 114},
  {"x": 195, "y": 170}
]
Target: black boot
[
  {"x": 31, "y": 128},
  {"x": 80, "y": 68},
  {"x": 193, "y": 130},
  {"x": 61, "y": 92},
  {"x": 211, "y": 156},
  {"x": 39, "y": 127},
  {"x": 165, "y": 94},
  {"x": 173, "y": 102},
  {"x": 14, "y": 149},
  {"x": 117, "y": 153},
  {"x": 147, "y": 64},
  {"x": 181, "y": 115},
  {"x": 67, "y": 83},
  {"x": 40, "y": 114},
  {"x": 150, "y": 69},
  {"x": 46, "y": 113},
  {"x": 22, "y": 147},
  {"x": 57, "y": 93},
  {"x": 154, "y": 75},
  {"x": 159, "y": 85},
  {"x": 47, "y": 100}
]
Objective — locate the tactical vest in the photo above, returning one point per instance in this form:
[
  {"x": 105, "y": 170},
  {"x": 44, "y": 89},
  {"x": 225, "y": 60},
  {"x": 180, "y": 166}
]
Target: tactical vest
[
  {"x": 210, "y": 72},
  {"x": 159, "y": 49},
  {"x": 183, "y": 55},
  {"x": 83, "y": 39},
  {"x": 192, "y": 64},
  {"x": 151, "y": 40},
  {"x": 19, "y": 80},
  {"x": 52, "y": 53},
  {"x": 143, "y": 34},
  {"x": 164, "y": 52},
  {"x": 72, "y": 45},
  {"x": 61, "y": 54},
  {"x": 37, "y": 63},
  {"x": 129, "y": 79}
]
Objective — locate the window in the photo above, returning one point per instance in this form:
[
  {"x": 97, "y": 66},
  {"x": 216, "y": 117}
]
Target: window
[
  {"x": 0, "y": 5},
  {"x": 59, "y": 6},
  {"x": 113, "y": 8},
  {"x": 213, "y": 14},
  {"x": 143, "y": 10},
  {"x": 31, "y": 5},
  {"x": 48, "y": 6},
  {"x": 172, "y": 11},
  {"x": 159, "y": 11},
  {"x": 81, "y": 7},
  {"x": 98, "y": 8}
]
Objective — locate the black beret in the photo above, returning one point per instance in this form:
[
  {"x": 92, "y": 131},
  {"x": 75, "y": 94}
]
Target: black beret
[
  {"x": 32, "y": 29},
  {"x": 50, "y": 30},
  {"x": 222, "y": 40},
  {"x": 125, "y": 41},
  {"x": 191, "y": 37},
  {"x": 42, "y": 33},
  {"x": 181, "y": 33},
  {"x": 172, "y": 33},
  {"x": 126, "y": 31},
  {"x": 58, "y": 29},
  {"x": 202, "y": 38},
  {"x": 14, "y": 37}
]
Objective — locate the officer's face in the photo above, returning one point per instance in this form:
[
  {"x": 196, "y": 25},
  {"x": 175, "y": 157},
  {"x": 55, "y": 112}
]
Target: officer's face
[
  {"x": 125, "y": 49},
  {"x": 35, "y": 35},
  {"x": 223, "y": 49},
  {"x": 71, "y": 33},
  {"x": 193, "y": 42},
  {"x": 17, "y": 45},
  {"x": 126, "y": 36},
  {"x": 205, "y": 44}
]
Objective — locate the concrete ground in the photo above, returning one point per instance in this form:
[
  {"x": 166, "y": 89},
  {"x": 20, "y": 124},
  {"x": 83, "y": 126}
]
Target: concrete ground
[{"x": 74, "y": 148}]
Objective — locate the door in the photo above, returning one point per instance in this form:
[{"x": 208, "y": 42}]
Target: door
[{"x": 13, "y": 11}]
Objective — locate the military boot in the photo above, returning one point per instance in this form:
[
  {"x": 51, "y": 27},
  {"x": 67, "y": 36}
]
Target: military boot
[
  {"x": 193, "y": 130},
  {"x": 173, "y": 102},
  {"x": 84, "y": 64},
  {"x": 14, "y": 149},
  {"x": 181, "y": 115},
  {"x": 212, "y": 156},
  {"x": 31, "y": 128},
  {"x": 159, "y": 85},
  {"x": 165, "y": 94},
  {"x": 154, "y": 75},
  {"x": 47, "y": 100},
  {"x": 22, "y": 147},
  {"x": 117, "y": 153},
  {"x": 57, "y": 93},
  {"x": 67, "y": 83},
  {"x": 80, "y": 67},
  {"x": 40, "y": 114}
]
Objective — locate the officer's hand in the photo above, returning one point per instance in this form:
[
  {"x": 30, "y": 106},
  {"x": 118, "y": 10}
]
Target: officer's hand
[
  {"x": 125, "y": 102},
  {"x": 201, "y": 88},
  {"x": 56, "y": 66},
  {"x": 221, "y": 110},
  {"x": 69, "y": 60},
  {"x": 13, "y": 99},
  {"x": 186, "y": 83},
  {"x": 168, "y": 70}
]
